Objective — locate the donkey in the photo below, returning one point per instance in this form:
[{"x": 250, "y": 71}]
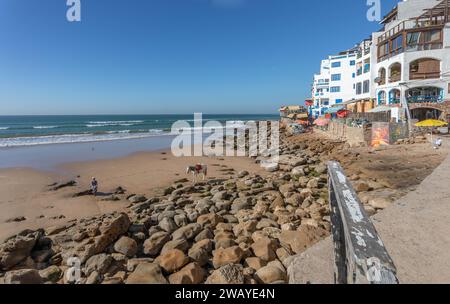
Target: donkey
[{"x": 197, "y": 170}]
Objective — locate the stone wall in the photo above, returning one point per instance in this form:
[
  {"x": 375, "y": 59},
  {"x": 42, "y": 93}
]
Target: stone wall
[{"x": 352, "y": 135}]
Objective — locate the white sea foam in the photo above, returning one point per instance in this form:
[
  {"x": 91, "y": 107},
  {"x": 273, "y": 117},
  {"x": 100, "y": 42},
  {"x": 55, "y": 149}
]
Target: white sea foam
[
  {"x": 4, "y": 128},
  {"x": 44, "y": 127},
  {"x": 74, "y": 138}
]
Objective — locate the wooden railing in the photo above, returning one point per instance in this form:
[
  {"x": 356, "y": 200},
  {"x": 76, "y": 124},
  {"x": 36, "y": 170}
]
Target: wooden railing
[{"x": 360, "y": 255}]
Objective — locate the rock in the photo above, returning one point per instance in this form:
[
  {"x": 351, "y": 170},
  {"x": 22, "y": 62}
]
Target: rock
[
  {"x": 112, "y": 228},
  {"x": 370, "y": 210},
  {"x": 147, "y": 273},
  {"x": 242, "y": 174},
  {"x": 302, "y": 239},
  {"x": 380, "y": 202},
  {"x": 172, "y": 260},
  {"x": 180, "y": 244},
  {"x": 93, "y": 278},
  {"x": 133, "y": 263},
  {"x": 298, "y": 171},
  {"x": 255, "y": 263},
  {"x": 187, "y": 232},
  {"x": 51, "y": 274},
  {"x": 190, "y": 274},
  {"x": 17, "y": 248},
  {"x": 126, "y": 246},
  {"x": 155, "y": 242},
  {"x": 200, "y": 251},
  {"x": 210, "y": 220},
  {"x": 167, "y": 224},
  {"x": 16, "y": 219},
  {"x": 23, "y": 276},
  {"x": 180, "y": 220},
  {"x": 264, "y": 248},
  {"x": 205, "y": 234},
  {"x": 228, "y": 274},
  {"x": 245, "y": 228},
  {"x": 137, "y": 199},
  {"x": 270, "y": 274},
  {"x": 361, "y": 186},
  {"x": 224, "y": 239},
  {"x": 99, "y": 263},
  {"x": 231, "y": 255},
  {"x": 313, "y": 183},
  {"x": 270, "y": 166}
]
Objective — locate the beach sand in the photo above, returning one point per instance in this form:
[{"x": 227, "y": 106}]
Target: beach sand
[{"x": 25, "y": 192}]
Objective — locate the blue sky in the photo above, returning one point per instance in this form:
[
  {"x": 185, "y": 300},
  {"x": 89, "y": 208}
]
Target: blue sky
[{"x": 169, "y": 56}]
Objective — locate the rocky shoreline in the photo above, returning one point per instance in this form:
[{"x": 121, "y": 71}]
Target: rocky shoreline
[{"x": 241, "y": 229}]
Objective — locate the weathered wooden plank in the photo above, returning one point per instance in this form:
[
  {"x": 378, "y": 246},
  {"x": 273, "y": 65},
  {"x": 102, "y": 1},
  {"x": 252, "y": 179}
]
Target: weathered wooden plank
[{"x": 365, "y": 257}]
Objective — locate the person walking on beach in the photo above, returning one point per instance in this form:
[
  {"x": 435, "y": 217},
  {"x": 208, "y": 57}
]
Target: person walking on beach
[{"x": 94, "y": 186}]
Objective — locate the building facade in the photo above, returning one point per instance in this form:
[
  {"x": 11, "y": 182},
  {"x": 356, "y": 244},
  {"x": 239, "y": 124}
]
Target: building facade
[{"x": 406, "y": 65}]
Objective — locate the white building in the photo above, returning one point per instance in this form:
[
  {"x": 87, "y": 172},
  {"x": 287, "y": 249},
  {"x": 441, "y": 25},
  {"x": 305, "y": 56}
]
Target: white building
[
  {"x": 334, "y": 84},
  {"x": 406, "y": 65},
  {"x": 413, "y": 59}
]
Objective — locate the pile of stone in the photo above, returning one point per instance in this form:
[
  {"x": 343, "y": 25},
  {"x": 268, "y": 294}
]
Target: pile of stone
[{"x": 242, "y": 229}]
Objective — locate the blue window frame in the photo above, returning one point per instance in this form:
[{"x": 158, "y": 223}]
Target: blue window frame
[
  {"x": 336, "y": 64},
  {"x": 335, "y": 89},
  {"x": 352, "y": 62},
  {"x": 338, "y": 100},
  {"x": 335, "y": 77},
  {"x": 353, "y": 75}
]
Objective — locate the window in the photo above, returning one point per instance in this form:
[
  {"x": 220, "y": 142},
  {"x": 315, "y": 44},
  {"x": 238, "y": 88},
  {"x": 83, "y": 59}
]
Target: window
[
  {"x": 359, "y": 88},
  {"x": 366, "y": 86},
  {"x": 338, "y": 100},
  {"x": 352, "y": 63},
  {"x": 397, "y": 45},
  {"x": 335, "y": 89},
  {"x": 336, "y": 64},
  {"x": 335, "y": 77}
]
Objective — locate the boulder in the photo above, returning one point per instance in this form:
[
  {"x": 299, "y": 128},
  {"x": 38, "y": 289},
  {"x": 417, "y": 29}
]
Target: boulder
[
  {"x": 155, "y": 242},
  {"x": 231, "y": 255},
  {"x": 172, "y": 260},
  {"x": 180, "y": 244},
  {"x": 298, "y": 241},
  {"x": 18, "y": 248},
  {"x": 228, "y": 274},
  {"x": 200, "y": 251},
  {"x": 99, "y": 263},
  {"x": 380, "y": 202},
  {"x": 23, "y": 276},
  {"x": 126, "y": 246},
  {"x": 264, "y": 248},
  {"x": 51, "y": 274},
  {"x": 147, "y": 273},
  {"x": 168, "y": 224},
  {"x": 255, "y": 263},
  {"x": 187, "y": 232},
  {"x": 190, "y": 274},
  {"x": 210, "y": 220},
  {"x": 270, "y": 274}
]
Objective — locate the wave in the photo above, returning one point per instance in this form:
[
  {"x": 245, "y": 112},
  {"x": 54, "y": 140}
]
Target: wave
[
  {"x": 45, "y": 127},
  {"x": 4, "y": 128},
  {"x": 78, "y": 138}
]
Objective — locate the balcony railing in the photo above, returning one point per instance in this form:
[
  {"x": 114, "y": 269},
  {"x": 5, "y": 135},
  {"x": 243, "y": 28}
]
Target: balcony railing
[
  {"x": 395, "y": 78},
  {"x": 425, "y": 99},
  {"x": 394, "y": 101},
  {"x": 418, "y": 76}
]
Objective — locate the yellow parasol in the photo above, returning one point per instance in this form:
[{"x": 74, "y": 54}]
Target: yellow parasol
[{"x": 431, "y": 123}]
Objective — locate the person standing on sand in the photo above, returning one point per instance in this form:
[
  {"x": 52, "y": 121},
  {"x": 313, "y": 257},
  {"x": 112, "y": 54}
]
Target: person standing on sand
[{"x": 94, "y": 186}]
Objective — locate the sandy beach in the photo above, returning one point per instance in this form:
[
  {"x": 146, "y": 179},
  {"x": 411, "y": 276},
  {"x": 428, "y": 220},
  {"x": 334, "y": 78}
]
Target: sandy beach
[{"x": 24, "y": 192}]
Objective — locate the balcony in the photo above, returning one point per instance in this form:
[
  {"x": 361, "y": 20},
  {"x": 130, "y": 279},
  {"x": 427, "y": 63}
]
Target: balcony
[
  {"x": 424, "y": 99},
  {"x": 395, "y": 78},
  {"x": 419, "y": 76}
]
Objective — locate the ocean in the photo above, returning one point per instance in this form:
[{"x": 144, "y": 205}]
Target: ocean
[{"x": 18, "y": 131}]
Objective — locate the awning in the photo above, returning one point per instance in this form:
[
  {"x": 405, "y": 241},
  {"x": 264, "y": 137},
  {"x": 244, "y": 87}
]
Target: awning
[
  {"x": 380, "y": 109},
  {"x": 333, "y": 110}
]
